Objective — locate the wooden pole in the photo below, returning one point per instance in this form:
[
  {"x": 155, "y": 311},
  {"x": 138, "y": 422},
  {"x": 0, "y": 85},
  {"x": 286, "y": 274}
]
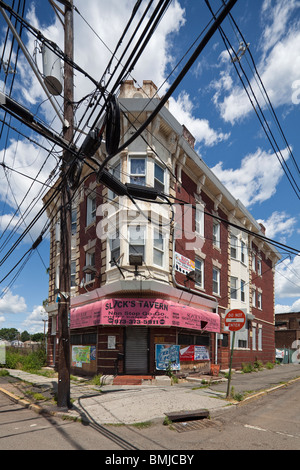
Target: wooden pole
[{"x": 63, "y": 395}]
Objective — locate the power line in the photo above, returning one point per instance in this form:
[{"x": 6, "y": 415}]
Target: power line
[{"x": 266, "y": 127}]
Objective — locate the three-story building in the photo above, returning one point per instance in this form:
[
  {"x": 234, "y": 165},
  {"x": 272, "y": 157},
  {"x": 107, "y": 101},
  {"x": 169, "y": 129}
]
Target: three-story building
[{"x": 151, "y": 280}]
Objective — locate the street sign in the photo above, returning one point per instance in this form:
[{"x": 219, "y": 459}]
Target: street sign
[{"x": 235, "y": 319}]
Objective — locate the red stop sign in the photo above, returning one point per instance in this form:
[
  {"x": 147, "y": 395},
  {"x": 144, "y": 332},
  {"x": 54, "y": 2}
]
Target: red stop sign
[{"x": 235, "y": 319}]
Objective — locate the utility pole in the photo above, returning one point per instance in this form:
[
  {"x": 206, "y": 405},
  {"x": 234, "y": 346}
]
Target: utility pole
[{"x": 63, "y": 395}]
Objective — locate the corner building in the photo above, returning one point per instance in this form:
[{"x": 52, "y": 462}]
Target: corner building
[{"x": 151, "y": 280}]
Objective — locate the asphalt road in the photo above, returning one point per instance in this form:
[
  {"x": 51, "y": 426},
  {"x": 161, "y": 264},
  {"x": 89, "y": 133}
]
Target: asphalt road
[{"x": 271, "y": 422}]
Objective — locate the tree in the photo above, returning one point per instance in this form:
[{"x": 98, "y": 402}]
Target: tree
[
  {"x": 25, "y": 336},
  {"x": 9, "y": 334},
  {"x": 38, "y": 337}
]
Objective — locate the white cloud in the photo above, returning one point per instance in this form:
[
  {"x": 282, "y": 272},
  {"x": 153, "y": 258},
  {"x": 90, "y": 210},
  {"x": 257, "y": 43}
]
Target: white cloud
[
  {"x": 275, "y": 17},
  {"x": 34, "y": 322},
  {"x": 10, "y": 303},
  {"x": 278, "y": 67},
  {"x": 279, "y": 223},
  {"x": 256, "y": 179},
  {"x": 295, "y": 307},
  {"x": 287, "y": 278},
  {"x": 182, "y": 109},
  {"x": 24, "y": 197}
]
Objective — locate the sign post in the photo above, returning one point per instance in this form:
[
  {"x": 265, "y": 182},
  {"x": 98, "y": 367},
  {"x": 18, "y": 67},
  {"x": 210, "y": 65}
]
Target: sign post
[{"x": 235, "y": 320}]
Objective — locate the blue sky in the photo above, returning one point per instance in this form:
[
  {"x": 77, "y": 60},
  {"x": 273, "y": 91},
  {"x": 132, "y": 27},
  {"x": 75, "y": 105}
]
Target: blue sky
[{"x": 210, "y": 101}]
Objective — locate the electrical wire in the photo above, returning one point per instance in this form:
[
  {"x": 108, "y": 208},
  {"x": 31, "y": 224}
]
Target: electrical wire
[{"x": 263, "y": 121}]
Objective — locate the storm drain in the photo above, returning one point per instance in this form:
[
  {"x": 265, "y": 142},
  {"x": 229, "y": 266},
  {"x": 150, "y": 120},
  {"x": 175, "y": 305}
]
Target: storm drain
[{"x": 195, "y": 420}]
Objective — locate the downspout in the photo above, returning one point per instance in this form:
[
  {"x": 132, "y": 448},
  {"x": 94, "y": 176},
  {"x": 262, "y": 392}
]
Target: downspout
[{"x": 192, "y": 291}]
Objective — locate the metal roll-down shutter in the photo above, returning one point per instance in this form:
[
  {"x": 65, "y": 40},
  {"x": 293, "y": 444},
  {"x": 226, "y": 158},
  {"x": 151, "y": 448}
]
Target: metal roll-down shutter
[{"x": 136, "y": 352}]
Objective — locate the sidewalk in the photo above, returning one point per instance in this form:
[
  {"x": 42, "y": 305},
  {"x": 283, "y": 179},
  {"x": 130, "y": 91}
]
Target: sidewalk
[{"x": 128, "y": 404}]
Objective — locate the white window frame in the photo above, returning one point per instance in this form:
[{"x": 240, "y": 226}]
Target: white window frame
[
  {"x": 216, "y": 234},
  {"x": 243, "y": 293},
  {"x": 158, "y": 184},
  {"x": 243, "y": 252},
  {"x": 158, "y": 235},
  {"x": 254, "y": 337},
  {"x": 259, "y": 339},
  {"x": 115, "y": 170},
  {"x": 91, "y": 209},
  {"x": 216, "y": 282},
  {"x": 132, "y": 176},
  {"x": 259, "y": 267},
  {"x": 199, "y": 273},
  {"x": 74, "y": 221},
  {"x": 115, "y": 237},
  {"x": 199, "y": 219},
  {"x": 139, "y": 241},
  {"x": 73, "y": 274},
  {"x": 253, "y": 262},
  {"x": 259, "y": 300},
  {"x": 233, "y": 246},
  {"x": 253, "y": 298},
  {"x": 89, "y": 261},
  {"x": 242, "y": 336},
  {"x": 233, "y": 288}
]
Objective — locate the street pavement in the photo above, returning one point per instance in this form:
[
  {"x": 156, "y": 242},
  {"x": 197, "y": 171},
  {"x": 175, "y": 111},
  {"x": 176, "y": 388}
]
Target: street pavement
[{"x": 129, "y": 404}]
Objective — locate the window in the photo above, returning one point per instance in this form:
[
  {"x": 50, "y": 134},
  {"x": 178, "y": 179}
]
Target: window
[
  {"x": 138, "y": 171},
  {"x": 243, "y": 291},
  {"x": 253, "y": 337},
  {"x": 199, "y": 272},
  {"x": 216, "y": 234},
  {"x": 159, "y": 178},
  {"x": 57, "y": 231},
  {"x": 259, "y": 267},
  {"x": 199, "y": 220},
  {"x": 241, "y": 337},
  {"x": 259, "y": 300},
  {"x": 74, "y": 222},
  {"x": 115, "y": 248},
  {"x": 233, "y": 288},
  {"x": 90, "y": 261},
  {"x": 137, "y": 240},
  {"x": 73, "y": 273},
  {"x": 90, "y": 210},
  {"x": 253, "y": 298},
  {"x": 259, "y": 339},
  {"x": 56, "y": 282},
  {"x": 253, "y": 262},
  {"x": 216, "y": 281},
  {"x": 116, "y": 172},
  {"x": 243, "y": 252},
  {"x": 158, "y": 248},
  {"x": 233, "y": 247}
]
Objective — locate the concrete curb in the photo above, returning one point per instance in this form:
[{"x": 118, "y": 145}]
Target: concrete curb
[
  {"x": 40, "y": 409},
  {"x": 27, "y": 404},
  {"x": 267, "y": 391},
  {"x": 75, "y": 416}
]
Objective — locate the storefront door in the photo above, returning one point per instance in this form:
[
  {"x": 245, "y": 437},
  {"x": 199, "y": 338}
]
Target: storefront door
[{"x": 136, "y": 350}]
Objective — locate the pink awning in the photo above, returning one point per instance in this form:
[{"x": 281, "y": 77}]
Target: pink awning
[{"x": 143, "y": 312}]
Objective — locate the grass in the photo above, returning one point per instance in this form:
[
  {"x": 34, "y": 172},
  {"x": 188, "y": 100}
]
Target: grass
[{"x": 36, "y": 396}]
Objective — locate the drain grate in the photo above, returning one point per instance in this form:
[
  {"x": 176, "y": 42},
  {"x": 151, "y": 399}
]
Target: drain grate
[
  {"x": 191, "y": 420},
  {"x": 194, "y": 425}
]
